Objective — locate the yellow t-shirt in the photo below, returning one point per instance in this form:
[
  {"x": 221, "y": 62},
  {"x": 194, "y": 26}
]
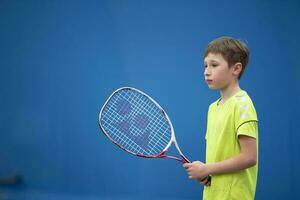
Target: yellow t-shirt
[{"x": 237, "y": 116}]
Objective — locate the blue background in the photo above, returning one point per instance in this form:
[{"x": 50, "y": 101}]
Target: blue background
[{"x": 60, "y": 60}]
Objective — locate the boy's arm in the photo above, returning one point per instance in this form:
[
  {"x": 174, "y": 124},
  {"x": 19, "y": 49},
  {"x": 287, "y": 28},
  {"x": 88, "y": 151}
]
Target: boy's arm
[{"x": 247, "y": 158}]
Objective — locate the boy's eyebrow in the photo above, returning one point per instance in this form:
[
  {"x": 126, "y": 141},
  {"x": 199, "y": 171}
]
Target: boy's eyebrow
[{"x": 212, "y": 60}]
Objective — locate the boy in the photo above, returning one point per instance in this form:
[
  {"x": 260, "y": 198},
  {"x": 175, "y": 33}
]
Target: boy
[{"x": 230, "y": 171}]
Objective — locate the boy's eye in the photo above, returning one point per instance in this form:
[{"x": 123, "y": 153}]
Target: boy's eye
[
  {"x": 205, "y": 66},
  {"x": 214, "y": 65}
]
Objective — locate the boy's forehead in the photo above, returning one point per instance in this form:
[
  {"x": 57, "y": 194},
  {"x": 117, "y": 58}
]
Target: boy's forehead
[{"x": 214, "y": 57}]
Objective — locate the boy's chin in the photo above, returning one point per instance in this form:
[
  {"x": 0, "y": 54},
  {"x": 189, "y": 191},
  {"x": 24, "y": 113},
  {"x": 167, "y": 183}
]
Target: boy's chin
[{"x": 213, "y": 87}]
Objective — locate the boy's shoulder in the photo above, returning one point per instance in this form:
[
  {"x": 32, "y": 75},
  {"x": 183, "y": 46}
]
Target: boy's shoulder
[
  {"x": 241, "y": 98},
  {"x": 243, "y": 106},
  {"x": 239, "y": 105}
]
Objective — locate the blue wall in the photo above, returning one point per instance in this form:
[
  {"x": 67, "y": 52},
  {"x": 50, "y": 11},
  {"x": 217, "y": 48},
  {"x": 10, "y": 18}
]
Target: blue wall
[{"x": 61, "y": 59}]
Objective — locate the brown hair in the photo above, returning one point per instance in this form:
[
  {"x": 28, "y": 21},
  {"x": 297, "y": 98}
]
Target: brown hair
[{"x": 233, "y": 50}]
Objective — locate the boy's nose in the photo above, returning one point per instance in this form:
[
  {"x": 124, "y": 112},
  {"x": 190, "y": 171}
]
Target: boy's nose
[{"x": 206, "y": 72}]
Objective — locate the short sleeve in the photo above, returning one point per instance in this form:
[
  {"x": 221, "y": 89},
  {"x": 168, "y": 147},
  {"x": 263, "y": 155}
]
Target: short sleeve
[
  {"x": 249, "y": 129},
  {"x": 245, "y": 113}
]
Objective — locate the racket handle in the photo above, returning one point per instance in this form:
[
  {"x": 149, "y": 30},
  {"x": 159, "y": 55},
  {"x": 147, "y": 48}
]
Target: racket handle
[{"x": 208, "y": 182}]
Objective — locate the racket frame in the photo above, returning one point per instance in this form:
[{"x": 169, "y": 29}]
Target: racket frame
[{"x": 162, "y": 154}]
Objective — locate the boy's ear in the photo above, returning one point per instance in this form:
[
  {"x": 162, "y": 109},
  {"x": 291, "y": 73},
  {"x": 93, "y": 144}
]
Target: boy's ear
[{"x": 237, "y": 69}]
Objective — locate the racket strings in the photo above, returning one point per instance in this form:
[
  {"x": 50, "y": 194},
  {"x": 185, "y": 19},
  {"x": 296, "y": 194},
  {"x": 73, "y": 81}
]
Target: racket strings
[
  {"x": 139, "y": 102},
  {"x": 136, "y": 123}
]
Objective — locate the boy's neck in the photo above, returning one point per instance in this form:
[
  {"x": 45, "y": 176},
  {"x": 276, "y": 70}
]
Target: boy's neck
[{"x": 229, "y": 91}]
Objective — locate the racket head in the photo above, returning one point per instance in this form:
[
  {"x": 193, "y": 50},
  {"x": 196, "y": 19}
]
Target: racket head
[{"x": 136, "y": 123}]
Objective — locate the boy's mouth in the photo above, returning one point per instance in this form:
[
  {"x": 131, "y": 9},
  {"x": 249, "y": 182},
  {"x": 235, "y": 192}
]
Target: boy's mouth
[{"x": 208, "y": 81}]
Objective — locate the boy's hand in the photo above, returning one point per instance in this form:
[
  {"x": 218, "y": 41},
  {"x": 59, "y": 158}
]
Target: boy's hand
[{"x": 196, "y": 170}]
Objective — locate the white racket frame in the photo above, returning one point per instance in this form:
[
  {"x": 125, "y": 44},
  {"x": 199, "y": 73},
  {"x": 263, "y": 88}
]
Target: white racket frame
[{"x": 162, "y": 154}]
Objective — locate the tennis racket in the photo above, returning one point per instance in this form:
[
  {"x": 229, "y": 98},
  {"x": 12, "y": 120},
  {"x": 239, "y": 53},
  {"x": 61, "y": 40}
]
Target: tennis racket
[{"x": 136, "y": 123}]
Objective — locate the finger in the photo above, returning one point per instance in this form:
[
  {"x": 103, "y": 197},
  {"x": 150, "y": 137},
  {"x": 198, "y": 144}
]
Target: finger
[
  {"x": 187, "y": 168},
  {"x": 198, "y": 162},
  {"x": 186, "y": 165}
]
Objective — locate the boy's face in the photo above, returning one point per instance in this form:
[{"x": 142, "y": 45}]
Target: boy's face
[{"x": 217, "y": 73}]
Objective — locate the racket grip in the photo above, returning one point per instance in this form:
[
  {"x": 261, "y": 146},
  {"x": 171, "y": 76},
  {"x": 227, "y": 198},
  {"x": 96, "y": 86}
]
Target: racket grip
[{"x": 208, "y": 182}]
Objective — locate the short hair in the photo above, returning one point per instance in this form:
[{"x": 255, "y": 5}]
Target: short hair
[{"x": 233, "y": 50}]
